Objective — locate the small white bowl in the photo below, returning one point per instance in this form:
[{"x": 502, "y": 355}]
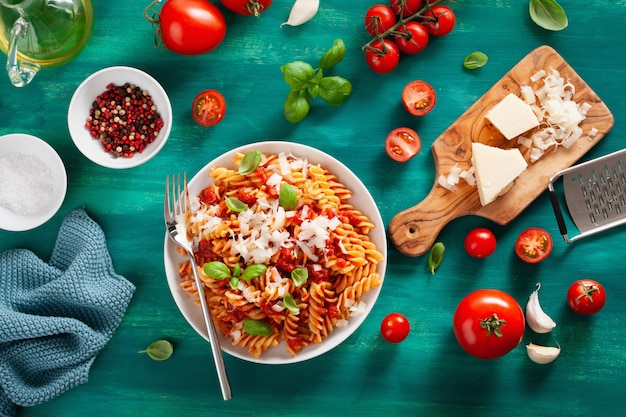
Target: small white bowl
[
  {"x": 19, "y": 143},
  {"x": 95, "y": 85}
]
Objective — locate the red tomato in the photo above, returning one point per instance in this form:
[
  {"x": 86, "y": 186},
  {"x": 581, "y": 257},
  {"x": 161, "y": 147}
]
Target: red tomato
[
  {"x": 533, "y": 245},
  {"x": 412, "y": 38},
  {"x": 488, "y": 323},
  {"x": 379, "y": 18},
  {"x": 191, "y": 27},
  {"x": 402, "y": 144},
  {"x": 586, "y": 296},
  {"x": 382, "y": 56},
  {"x": 395, "y": 328},
  {"x": 418, "y": 97},
  {"x": 442, "y": 20},
  {"x": 405, "y": 8},
  {"x": 247, "y": 7},
  {"x": 480, "y": 242},
  {"x": 208, "y": 108}
]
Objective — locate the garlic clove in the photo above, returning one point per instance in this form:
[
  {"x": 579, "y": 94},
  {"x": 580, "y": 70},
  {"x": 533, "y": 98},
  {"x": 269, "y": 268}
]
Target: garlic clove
[
  {"x": 542, "y": 354},
  {"x": 536, "y": 318},
  {"x": 301, "y": 12}
]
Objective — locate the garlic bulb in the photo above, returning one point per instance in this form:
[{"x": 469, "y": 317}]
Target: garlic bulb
[
  {"x": 542, "y": 354},
  {"x": 537, "y": 320},
  {"x": 301, "y": 12}
]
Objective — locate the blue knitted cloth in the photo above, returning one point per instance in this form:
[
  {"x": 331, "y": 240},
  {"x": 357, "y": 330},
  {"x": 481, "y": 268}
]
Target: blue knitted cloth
[{"x": 56, "y": 317}]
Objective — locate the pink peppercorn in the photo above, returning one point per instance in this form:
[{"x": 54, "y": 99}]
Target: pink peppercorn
[{"x": 124, "y": 119}]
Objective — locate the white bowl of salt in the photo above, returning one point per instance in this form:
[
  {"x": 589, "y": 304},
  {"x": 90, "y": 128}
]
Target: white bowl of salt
[{"x": 33, "y": 182}]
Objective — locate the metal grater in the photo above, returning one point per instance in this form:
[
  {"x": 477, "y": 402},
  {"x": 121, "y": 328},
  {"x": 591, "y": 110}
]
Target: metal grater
[{"x": 595, "y": 195}]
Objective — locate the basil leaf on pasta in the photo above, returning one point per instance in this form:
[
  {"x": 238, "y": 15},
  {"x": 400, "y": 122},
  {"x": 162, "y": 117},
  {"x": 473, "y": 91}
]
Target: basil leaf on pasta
[
  {"x": 217, "y": 270},
  {"x": 290, "y": 304},
  {"x": 236, "y": 205},
  {"x": 253, "y": 271},
  {"x": 249, "y": 162},
  {"x": 287, "y": 197},
  {"x": 257, "y": 327},
  {"x": 299, "y": 276}
]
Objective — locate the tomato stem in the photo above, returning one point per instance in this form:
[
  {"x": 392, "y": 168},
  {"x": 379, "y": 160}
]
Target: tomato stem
[
  {"x": 420, "y": 14},
  {"x": 151, "y": 18},
  {"x": 492, "y": 325},
  {"x": 588, "y": 291}
]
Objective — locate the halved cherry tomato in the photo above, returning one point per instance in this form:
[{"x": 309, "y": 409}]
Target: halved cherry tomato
[
  {"x": 208, "y": 108},
  {"x": 533, "y": 245},
  {"x": 412, "y": 38},
  {"x": 488, "y": 323},
  {"x": 442, "y": 20},
  {"x": 402, "y": 144},
  {"x": 382, "y": 56},
  {"x": 395, "y": 328},
  {"x": 379, "y": 18},
  {"x": 480, "y": 242},
  {"x": 418, "y": 97},
  {"x": 586, "y": 296}
]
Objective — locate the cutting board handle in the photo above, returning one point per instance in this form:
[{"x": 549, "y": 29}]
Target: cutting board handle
[{"x": 414, "y": 230}]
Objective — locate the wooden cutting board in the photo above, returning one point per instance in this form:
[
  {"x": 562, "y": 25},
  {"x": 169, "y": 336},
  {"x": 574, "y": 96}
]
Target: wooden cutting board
[{"x": 414, "y": 230}]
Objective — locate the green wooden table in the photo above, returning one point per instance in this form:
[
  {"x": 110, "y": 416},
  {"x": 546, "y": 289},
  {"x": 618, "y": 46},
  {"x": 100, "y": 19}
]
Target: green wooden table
[{"x": 428, "y": 374}]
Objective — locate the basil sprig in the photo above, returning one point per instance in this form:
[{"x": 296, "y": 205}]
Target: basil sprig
[
  {"x": 548, "y": 14},
  {"x": 308, "y": 83},
  {"x": 219, "y": 270}
]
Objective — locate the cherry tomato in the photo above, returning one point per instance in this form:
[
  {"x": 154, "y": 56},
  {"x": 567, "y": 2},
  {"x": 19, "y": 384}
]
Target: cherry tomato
[
  {"x": 191, "y": 27},
  {"x": 411, "y": 38},
  {"x": 410, "y": 7},
  {"x": 533, "y": 245},
  {"x": 247, "y": 7},
  {"x": 442, "y": 22},
  {"x": 402, "y": 144},
  {"x": 480, "y": 242},
  {"x": 379, "y": 18},
  {"x": 586, "y": 296},
  {"x": 395, "y": 328},
  {"x": 382, "y": 56},
  {"x": 418, "y": 97},
  {"x": 208, "y": 108},
  {"x": 488, "y": 323}
]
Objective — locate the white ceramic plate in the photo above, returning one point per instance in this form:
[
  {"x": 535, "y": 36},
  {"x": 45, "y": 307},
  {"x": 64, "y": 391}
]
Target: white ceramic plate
[
  {"x": 31, "y": 145},
  {"x": 95, "y": 85},
  {"x": 361, "y": 199}
]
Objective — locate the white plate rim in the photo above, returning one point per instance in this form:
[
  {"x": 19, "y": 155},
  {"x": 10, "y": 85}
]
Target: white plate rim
[
  {"x": 278, "y": 355},
  {"x": 32, "y": 145}
]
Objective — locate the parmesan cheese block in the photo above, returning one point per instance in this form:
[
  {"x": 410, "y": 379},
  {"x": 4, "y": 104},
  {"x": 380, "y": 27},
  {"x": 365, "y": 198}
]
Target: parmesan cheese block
[
  {"x": 495, "y": 170},
  {"x": 512, "y": 116}
]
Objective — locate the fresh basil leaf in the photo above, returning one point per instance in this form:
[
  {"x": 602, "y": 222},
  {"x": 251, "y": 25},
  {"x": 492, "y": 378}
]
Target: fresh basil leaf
[
  {"x": 335, "y": 90},
  {"x": 314, "y": 84},
  {"x": 253, "y": 271},
  {"x": 257, "y": 327},
  {"x": 475, "y": 60},
  {"x": 236, "y": 270},
  {"x": 435, "y": 257},
  {"x": 299, "y": 276},
  {"x": 216, "y": 270},
  {"x": 290, "y": 304},
  {"x": 287, "y": 197},
  {"x": 297, "y": 106},
  {"x": 234, "y": 282},
  {"x": 297, "y": 74},
  {"x": 334, "y": 55},
  {"x": 548, "y": 14},
  {"x": 235, "y": 204},
  {"x": 159, "y": 350},
  {"x": 250, "y": 161}
]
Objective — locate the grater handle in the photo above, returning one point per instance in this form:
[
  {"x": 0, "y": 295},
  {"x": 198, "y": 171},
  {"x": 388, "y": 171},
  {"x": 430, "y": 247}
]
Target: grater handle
[{"x": 556, "y": 206}]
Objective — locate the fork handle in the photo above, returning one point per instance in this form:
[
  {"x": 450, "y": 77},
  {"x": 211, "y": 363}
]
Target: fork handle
[{"x": 212, "y": 332}]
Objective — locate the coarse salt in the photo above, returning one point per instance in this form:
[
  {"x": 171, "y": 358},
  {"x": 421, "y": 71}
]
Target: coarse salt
[{"x": 26, "y": 184}]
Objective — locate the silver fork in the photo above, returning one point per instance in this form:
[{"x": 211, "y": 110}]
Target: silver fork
[{"x": 175, "y": 207}]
